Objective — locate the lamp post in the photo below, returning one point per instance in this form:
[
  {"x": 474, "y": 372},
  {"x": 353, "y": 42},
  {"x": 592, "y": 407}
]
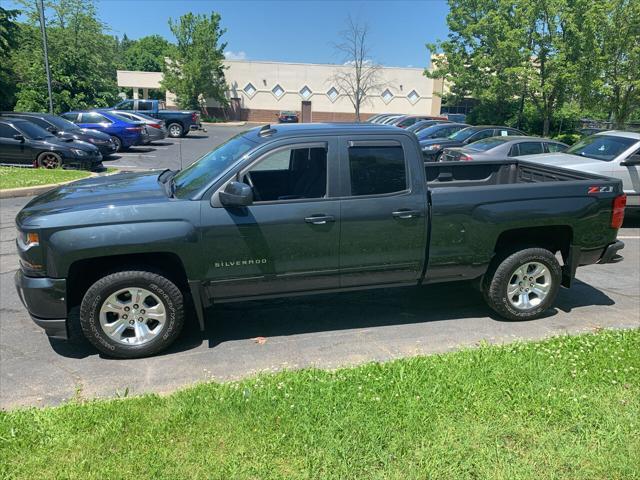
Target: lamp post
[{"x": 40, "y": 6}]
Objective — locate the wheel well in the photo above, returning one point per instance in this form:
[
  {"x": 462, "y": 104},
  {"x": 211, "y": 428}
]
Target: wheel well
[
  {"x": 553, "y": 238},
  {"x": 84, "y": 273}
]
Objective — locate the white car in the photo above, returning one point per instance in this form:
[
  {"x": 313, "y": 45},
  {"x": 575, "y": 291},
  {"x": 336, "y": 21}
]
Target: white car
[{"x": 613, "y": 153}]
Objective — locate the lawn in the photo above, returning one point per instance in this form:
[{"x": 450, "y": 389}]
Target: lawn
[
  {"x": 13, "y": 177},
  {"x": 567, "y": 408}
]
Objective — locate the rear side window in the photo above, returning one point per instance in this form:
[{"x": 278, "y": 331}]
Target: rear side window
[
  {"x": 39, "y": 122},
  {"x": 72, "y": 117},
  {"x": 145, "y": 105},
  {"x": 480, "y": 135},
  {"x": 93, "y": 117},
  {"x": 555, "y": 147},
  {"x": 376, "y": 170},
  {"x": 7, "y": 131},
  {"x": 530, "y": 148}
]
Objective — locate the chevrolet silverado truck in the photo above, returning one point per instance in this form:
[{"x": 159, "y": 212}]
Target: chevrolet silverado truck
[
  {"x": 179, "y": 122},
  {"x": 302, "y": 209}
]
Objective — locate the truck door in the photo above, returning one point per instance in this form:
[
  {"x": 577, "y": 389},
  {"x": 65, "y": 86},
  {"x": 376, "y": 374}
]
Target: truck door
[
  {"x": 287, "y": 240},
  {"x": 382, "y": 211}
]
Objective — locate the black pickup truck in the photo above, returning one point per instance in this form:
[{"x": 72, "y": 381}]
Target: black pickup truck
[
  {"x": 301, "y": 209},
  {"x": 179, "y": 122}
]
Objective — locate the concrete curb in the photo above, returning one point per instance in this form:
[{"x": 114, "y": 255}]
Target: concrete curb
[{"x": 37, "y": 190}]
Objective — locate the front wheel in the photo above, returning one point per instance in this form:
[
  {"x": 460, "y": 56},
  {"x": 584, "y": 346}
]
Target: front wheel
[
  {"x": 524, "y": 284},
  {"x": 131, "y": 314},
  {"x": 49, "y": 160},
  {"x": 175, "y": 130}
]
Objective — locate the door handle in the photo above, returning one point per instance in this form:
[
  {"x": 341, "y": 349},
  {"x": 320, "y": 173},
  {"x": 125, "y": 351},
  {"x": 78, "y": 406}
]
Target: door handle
[
  {"x": 405, "y": 213},
  {"x": 319, "y": 219}
]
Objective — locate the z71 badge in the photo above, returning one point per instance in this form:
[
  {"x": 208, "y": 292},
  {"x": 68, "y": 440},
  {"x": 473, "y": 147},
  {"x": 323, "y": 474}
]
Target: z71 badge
[{"x": 593, "y": 190}]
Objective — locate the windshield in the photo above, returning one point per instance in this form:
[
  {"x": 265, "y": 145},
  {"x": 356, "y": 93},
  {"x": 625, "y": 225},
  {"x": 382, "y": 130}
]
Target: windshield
[
  {"x": 462, "y": 135},
  {"x": 211, "y": 166},
  {"x": 601, "y": 147},
  {"x": 62, "y": 124},
  {"x": 487, "y": 144},
  {"x": 32, "y": 131}
]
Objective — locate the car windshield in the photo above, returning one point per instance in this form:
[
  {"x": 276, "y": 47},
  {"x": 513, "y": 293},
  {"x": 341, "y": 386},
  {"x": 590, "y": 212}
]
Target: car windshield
[
  {"x": 462, "y": 135},
  {"x": 62, "y": 124},
  {"x": 430, "y": 132},
  {"x": 487, "y": 144},
  {"x": 32, "y": 131},
  {"x": 211, "y": 166},
  {"x": 601, "y": 147}
]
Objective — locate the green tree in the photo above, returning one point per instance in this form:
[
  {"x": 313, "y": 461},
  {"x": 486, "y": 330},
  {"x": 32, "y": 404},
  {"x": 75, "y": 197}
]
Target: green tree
[
  {"x": 195, "y": 67},
  {"x": 81, "y": 56},
  {"x": 147, "y": 53},
  {"x": 8, "y": 42}
]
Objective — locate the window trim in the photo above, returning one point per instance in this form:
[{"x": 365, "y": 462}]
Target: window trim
[{"x": 373, "y": 143}]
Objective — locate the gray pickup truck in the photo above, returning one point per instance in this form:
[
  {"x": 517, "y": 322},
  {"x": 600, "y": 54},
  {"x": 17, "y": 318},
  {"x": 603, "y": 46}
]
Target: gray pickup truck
[
  {"x": 302, "y": 209},
  {"x": 179, "y": 122}
]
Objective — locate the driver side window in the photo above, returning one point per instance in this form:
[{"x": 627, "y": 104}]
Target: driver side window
[{"x": 289, "y": 174}]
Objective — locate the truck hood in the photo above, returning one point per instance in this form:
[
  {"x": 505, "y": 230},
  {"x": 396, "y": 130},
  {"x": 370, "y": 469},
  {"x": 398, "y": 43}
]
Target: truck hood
[
  {"x": 565, "y": 160},
  {"x": 125, "y": 189}
]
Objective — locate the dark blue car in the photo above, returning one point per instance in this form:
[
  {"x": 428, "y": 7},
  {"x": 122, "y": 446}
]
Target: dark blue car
[{"x": 124, "y": 132}]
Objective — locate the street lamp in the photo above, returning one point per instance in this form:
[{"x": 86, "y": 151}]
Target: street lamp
[{"x": 40, "y": 6}]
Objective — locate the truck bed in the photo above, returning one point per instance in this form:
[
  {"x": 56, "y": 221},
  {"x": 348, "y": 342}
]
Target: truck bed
[{"x": 472, "y": 203}]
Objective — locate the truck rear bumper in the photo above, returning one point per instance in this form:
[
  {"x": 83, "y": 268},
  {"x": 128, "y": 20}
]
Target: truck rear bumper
[
  {"x": 45, "y": 300},
  {"x": 610, "y": 254},
  {"x": 197, "y": 126}
]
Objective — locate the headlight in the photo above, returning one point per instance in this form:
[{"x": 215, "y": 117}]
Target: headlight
[
  {"x": 29, "y": 239},
  {"x": 78, "y": 152}
]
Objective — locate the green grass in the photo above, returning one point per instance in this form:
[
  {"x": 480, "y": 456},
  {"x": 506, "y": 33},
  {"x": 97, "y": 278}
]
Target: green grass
[
  {"x": 14, "y": 177},
  {"x": 567, "y": 408}
]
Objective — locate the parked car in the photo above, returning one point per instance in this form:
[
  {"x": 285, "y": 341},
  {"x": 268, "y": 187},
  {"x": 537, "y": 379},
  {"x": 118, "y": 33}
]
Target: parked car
[
  {"x": 301, "y": 209},
  {"x": 500, "y": 148},
  {"x": 456, "y": 117},
  {"x": 179, "y": 122},
  {"x": 612, "y": 153},
  {"x": 389, "y": 119},
  {"x": 432, "y": 148},
  {"x": 155, "y": 127},
  {"x": 384, "y": 116},
  {"x": 375, "y": 117},
  {"x": 440, "y": 130},
  {"x": 65, "y": 129},
  {"x": 287, "y": 116},
  {"x": 125, "y": 133},
  {"x": 408, "y": 120},
  {"x": 24, "y": 143},
  {"x": 422, "y": 124}
]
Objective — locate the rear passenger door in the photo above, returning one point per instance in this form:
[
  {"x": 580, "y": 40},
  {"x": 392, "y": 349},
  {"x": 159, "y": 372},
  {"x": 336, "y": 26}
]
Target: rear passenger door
[{"x": 383, "y": 213}]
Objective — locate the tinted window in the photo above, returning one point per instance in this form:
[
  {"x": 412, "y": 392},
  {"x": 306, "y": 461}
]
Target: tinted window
[
  {"x": 145, "y": 105},
  {"x": 556, "y": 147},
  {"x": 462, "y": 135},
  {"x": 530, "y": 148},
  {"x": 480, "y": 135},
  {"x": 377, "y": 170},
  {"x": 126, "y": 115},
  {"x": 93, "y": 117},
  {"x": 7, "y": 131},
  {"x": 601, "y": 147},
  {"x": 128, "y": 105},
  {"x": 38, "y": 121},
  {"x": 33, "y": 131},
  {"x": 486, "y": 144},
  {"x": 61, "y": 123},
  {"x": 72, "y": 117}
]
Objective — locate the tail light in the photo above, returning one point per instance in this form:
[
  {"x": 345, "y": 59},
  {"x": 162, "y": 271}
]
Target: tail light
[
  {"x": 134, "y": 129},
  {"x": 155, "y": 125},
  {"x": 194, "y": 116},
  {"x": 617, "y": 215}
]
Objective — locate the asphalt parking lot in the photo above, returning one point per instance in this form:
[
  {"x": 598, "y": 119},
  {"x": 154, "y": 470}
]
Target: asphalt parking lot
[{"x": 324, "y": 331}]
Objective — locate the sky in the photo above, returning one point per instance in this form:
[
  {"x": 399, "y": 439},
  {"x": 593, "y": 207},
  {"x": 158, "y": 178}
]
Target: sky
[{"x": 294, "y": 30}]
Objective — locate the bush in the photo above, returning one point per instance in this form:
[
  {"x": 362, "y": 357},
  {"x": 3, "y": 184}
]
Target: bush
[{"x": 568, "y": 138}]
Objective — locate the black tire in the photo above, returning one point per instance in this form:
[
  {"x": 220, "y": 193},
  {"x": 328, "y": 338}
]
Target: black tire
[
  {"x": 118, "y": 143},
  {"x": 175, "y": 129},
  {"x": 49, "y": 160},
  {"x": 168, "y": 293},
  {"x": 500, "y": 276}
]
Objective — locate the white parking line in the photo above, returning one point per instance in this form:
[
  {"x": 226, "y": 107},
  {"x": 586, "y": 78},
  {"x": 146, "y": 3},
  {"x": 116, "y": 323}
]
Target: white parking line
[
  {"x": 637, "y": 237},
  {"x": 135, "y": 155}
]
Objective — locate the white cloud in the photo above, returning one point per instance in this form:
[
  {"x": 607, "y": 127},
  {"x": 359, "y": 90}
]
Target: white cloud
[{"x": 240, "y": 55}]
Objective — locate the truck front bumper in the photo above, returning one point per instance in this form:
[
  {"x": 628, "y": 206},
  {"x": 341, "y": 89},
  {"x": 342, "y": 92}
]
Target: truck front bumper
[{"x": 45, "y": 300}]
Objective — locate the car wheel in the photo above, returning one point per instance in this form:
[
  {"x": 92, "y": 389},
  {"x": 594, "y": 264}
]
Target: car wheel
[
  {"x": 131, "y": 314},
  {"x": 524, "y": 284},
  {"x": 49, "y": 160},
  {"x": 175, "y": 130},
  {"x": 118, "y": 143}
]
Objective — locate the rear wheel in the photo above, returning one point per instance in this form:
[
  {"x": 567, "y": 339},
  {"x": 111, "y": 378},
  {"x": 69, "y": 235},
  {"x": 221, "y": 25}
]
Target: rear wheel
[
  {"x": 132, "y": 314},
  {"x": 175, "y": 130},
  {"x": 524, "y": 284},
  {"x": 118, "y": 143},
  {"x": 49, "y": 160}
]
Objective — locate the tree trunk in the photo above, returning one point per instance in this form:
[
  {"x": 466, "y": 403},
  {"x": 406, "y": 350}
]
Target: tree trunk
[{"x": 546, "y": 125}]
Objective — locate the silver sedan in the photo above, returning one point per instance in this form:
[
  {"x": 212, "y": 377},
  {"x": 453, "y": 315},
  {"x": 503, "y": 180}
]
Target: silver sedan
[{"x": 156, "y": 128}]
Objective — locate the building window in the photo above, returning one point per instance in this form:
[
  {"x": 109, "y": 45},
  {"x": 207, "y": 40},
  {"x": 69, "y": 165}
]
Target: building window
[
  {"x": 305, "y": 92},
  {"x": 413, "y": 96},
  {"x": 333, "y": 94},
  {"x": 250, "y": 89},
  {"x": 277, "y": 91},
  {"x": 387, "y": 96}
]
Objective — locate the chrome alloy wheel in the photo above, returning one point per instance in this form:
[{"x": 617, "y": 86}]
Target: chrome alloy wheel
[
  {"x": 49, "y": 160},
  {"x": 529, "y": 285},
  {"x": 132, "y": 316},
  {"x": 175, "y": 130}
]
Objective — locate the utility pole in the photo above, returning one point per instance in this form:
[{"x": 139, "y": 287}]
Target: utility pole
[{"x": 43, "y": 29}]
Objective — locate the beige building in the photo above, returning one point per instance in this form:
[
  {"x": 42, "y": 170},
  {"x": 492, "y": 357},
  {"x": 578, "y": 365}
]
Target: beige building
[{"x": 258, "y": 90}]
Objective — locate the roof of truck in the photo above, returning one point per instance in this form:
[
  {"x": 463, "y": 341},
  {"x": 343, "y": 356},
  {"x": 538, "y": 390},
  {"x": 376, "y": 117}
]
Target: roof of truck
[{"x": 303, "y": 129}]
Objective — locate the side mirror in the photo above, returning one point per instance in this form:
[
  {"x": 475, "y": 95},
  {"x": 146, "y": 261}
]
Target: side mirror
[
  {"x": 632, "y": 160},
  {"x": 236, "y": 194},
  {"x": 19, "y": 137}
]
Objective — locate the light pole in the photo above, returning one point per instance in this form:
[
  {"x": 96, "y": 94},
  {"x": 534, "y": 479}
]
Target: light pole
[{"x": 40, "y": 6}]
